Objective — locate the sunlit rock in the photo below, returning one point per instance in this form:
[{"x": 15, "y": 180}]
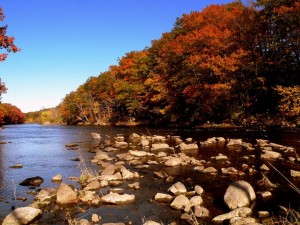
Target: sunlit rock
[
  {"x": 181, "y": 202},
  {"x": 177, "y": 188},
  {"x": 115, "y": 198},
  {"x": 65, "y": 194},
  {"x": 22, "y": 215}
]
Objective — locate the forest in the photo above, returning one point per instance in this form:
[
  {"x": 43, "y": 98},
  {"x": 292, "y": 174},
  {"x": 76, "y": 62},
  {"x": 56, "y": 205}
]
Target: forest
[{"x": 228, "y": 64}]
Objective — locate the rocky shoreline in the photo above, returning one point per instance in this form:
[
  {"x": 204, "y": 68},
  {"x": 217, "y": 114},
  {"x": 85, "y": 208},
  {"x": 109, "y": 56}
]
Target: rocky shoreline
[{"x": 122, "y": 162}]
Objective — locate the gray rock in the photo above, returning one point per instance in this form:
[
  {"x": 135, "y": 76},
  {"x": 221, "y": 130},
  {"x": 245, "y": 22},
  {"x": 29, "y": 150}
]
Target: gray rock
[
  {"x": 65, "y": 194},
  {"x": 181, "y": 202},
  {"x": 22, "y": 215},
  {"x": 239, "y": 194}
]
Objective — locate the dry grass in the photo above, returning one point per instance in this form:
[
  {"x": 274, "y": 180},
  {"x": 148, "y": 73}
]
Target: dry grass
[{"x": 86, "y": 172}]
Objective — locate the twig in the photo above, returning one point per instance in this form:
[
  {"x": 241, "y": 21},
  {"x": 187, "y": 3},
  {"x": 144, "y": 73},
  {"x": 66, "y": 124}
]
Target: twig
[
  {"x": 290, "y": 183},
  {"x": 148, "y": 131}
]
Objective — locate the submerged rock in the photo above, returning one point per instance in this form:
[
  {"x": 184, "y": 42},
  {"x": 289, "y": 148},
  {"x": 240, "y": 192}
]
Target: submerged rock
[
  {"x": 32, "y": 181},
  {"x": 22, "y": 215}
]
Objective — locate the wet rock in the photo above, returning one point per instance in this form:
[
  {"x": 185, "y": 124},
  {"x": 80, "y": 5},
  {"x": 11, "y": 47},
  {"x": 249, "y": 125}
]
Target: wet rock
[
  {"x": 65, "y": 194},
  {"x": 181, "y": 202},
  {"x": 201, "y": 212},
  {"x": 239, "y": 212},
  {"x": 263, "y": 214},
  {"x": 32, "y": 181},
  {"x": 295, "y": 173},
  {"x": 137, "y": 153},
  {"x": 196, "y": 201},
  {"x": 234, "y": 142},
  {"x": 115, "y": 198},
  {"x": 266, "y": 195},
  {"x": 173, "y": 162},
  {"x": 22, "y": 215},
  {"x": 160, "y": 146},
  {"x": 46, "y": 194},
  {"x": 57, "y": 177},
  {"x": 177, "y": 188},
  {"x": 161, "y": 197},
  {"x": 239, "y": 194},
  {"x": 186, "y": 147},
  {"x": 221, "y": 157},
  {"x": 270, "y": 155}
]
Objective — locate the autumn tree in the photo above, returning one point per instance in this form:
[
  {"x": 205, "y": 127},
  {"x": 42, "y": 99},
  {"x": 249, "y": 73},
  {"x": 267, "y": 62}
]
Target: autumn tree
[{"x": 6, "y": 45}]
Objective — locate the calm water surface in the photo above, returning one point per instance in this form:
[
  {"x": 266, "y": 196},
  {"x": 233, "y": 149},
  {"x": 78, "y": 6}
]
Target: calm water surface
[{"x": 42, "y": 151}]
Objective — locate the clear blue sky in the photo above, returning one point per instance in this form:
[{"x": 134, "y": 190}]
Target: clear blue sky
[{"x": 63, "y": 42}]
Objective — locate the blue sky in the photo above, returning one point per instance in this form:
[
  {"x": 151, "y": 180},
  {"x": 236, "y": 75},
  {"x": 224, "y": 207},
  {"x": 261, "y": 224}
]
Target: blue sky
[{"x": 63, "y": 42}]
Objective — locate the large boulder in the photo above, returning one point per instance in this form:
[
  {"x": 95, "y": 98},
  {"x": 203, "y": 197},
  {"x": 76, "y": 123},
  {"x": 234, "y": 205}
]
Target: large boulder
[
  {"x": 115, "y": 198},
  {"x": 65, "y": 194},
  {"x": 22, "y": 215},
  {"x": 239, "y": 194}
]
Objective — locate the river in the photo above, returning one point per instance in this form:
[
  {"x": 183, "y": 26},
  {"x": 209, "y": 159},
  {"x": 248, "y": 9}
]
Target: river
[{"x": 42, "y": 151}]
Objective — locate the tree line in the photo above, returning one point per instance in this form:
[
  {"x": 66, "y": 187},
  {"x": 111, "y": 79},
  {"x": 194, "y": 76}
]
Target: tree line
[{"x": 229, "y": 63}]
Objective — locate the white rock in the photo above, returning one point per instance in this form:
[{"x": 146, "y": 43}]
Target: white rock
[{"x": 199, "y": 190}]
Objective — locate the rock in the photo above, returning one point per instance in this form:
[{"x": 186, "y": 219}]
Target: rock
[
  {"x": 186, "y": 147},
  {"x": 150, "y": 222},
  {"x": 160, "y": 146},
  {"x": 221, "y": 157},
  {"x": 295, "y": 173},
  {"x": 32, "y": 181},
  {"x": 239, "y": 212},
  {"x": 113, "y": 224},
  {"x": 88, "y": 196},
  {"x": 177, "y": 188},
  {"x": 115, "y": 198},
  {"x": 109, "y": 170},
  {"x": 161, "y": 174},
  {"x": 22, "y": 215},
  {"x": 181, "y": 202},
  {"x": 263, "y": 214},
  {"x": 95, "y": 218},
  {"x": 233, "y": 142},
  {"x": 210, "y": 170},
  {"x": 144, "y": 143},
  {"x": 100, "y": 155},
  {"x": 116, "y": 176},
  {"x": 201, "y": 212},
  {"x": 229, "y": 170},
  {"x": 94, "y": 185},
  {"x": 241, "y": 221},
  {"x": 138, "y": 153},
  {"x": 126, "y": 174},
  {"x": 134, "y": 136},
  {"x": 188, "y": 218},
  {"x": 199, "y": 190},
  {"x": 157, "y": 138},
  {"x": 196, "y": 201},
  {"x": 266, "y": 195},
  {"x": 110, "y": 149},
  {"x": 199, "y": 168},
  {"x": 264, "y": 167},
  {"x": 125, "y": 156},
  {"x": 135, "y": 185},
  {"x": 239, "y": 194},
  {"x": 160, "y": 197},
  {"x": 121, "y": 144},
  {"x": 57, "y": 177},
  {"x": 84, "y": 222},
  {"x": 173, "y": 162},
  {"x": 17, "y": 166},
  {"x": 72, "y": 145},
  {"x": 65, "y": 195},
  {"x": 46, "y": 194},
  {"x": 262, "y": 143},
  {"x": 270, "y": 155}
]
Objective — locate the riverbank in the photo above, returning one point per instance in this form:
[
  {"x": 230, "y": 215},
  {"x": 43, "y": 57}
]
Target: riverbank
[{"x": 145, "y": 168}]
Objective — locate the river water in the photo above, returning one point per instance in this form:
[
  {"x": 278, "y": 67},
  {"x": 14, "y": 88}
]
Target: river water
[{"x": 42, "y": 151}]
